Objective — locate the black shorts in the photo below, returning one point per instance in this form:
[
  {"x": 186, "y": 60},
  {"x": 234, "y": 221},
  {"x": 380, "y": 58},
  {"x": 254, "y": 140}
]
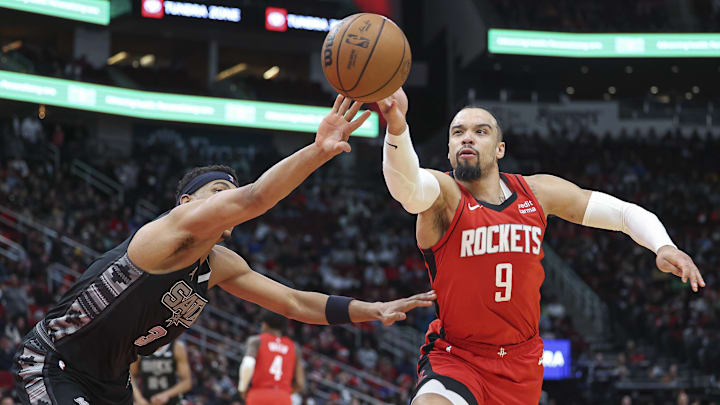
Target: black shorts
[{"x": 42, "y": 378}]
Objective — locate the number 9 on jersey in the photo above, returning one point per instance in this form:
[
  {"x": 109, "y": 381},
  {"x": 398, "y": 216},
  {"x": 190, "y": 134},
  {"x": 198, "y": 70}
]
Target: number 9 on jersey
[{"x": 503, "y": 279}]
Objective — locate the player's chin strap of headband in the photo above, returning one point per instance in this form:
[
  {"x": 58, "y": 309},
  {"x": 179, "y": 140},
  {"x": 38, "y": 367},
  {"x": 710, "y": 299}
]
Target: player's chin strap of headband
[{"x": 203, "y": 179}]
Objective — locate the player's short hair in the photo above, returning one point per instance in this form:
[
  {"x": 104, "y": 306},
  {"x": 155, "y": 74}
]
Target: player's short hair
[
  {"x": 274, "y": 321},
  {"x": 499, "y": 128},
  {"x": 191, "y": 174}
]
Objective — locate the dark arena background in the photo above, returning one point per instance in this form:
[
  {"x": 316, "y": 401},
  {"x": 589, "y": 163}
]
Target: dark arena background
[{"x": 105, "y": 104}]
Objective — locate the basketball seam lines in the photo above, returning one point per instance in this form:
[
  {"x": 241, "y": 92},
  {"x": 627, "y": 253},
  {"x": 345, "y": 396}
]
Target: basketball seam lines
[
  {"x": 337, "y": 64},
  {"x": 391, "y": 77},
  {"x": 369, "y": 56}
]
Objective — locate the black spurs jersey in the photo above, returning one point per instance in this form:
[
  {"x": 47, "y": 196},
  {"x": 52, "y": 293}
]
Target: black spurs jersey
[
  {"x": 116, "y": 312},
  {"x": 159, "y": 372}
]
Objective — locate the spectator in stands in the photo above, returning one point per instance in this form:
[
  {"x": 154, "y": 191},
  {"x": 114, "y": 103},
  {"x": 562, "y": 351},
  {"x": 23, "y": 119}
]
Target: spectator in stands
[
  {"x": 15, "y": 298},
  {"x": 682, "y": 398},
  {"x": 7, "y": 351},
  {"x": 16, "y": 329},
  {"x": 367, "y": 356}
]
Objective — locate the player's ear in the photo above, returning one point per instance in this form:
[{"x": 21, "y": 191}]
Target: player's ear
[
  {"x": 185, "y": 198},
  {"x": 500, "y": 152}
]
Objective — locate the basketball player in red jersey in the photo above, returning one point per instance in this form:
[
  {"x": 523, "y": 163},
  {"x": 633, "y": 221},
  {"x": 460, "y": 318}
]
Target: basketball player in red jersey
[
  {"x": 272, "y": 367},
  {"x": 481, "y": 234}
]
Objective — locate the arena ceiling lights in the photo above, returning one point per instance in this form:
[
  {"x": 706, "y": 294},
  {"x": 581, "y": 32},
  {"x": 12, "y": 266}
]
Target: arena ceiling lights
[
  {"x": 91, "y": 11},
  {"x": 168, "y": 107},
  {"x": 543, "y": 43}
]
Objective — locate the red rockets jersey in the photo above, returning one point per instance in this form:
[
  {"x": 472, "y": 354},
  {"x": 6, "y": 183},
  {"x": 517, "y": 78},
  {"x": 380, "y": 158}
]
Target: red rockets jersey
[
  {"x": 486, "y": 268},
  {"x": 274, "y": 364}
]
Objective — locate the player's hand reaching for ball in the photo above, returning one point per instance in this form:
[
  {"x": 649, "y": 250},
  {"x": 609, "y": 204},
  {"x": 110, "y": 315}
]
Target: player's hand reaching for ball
[
  {"x": 394, "y": 109},
  {"x": 394, "y": 311},
  {"x": 335, "y": 129},
  {"x": 673, "y": 260}
]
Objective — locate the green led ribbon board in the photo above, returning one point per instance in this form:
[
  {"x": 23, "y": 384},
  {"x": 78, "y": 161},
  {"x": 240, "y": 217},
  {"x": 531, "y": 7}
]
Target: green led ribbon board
[
  {"x": 168, "y": 107},
  {"x": 91, "y": 11},
  {"x": 543, "y": 43}
]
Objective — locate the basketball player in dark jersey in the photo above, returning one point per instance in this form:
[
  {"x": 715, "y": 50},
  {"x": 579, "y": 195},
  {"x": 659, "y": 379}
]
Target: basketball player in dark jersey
[
  {"x": 272, "y": 367},
  {"x": 144, "y": 293},
  {"x": 481, "y": 233},
  {"x": 165, "y": 376}
]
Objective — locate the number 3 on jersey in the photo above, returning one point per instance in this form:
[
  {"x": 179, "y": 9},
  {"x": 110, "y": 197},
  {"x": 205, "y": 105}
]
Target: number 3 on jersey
[
  {"x": 276, "y": 367},
  {"x": 503, "y": 279}
]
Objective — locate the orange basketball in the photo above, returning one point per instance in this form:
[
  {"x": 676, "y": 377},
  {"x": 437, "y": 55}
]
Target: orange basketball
[{"x": 366, "y": 57}]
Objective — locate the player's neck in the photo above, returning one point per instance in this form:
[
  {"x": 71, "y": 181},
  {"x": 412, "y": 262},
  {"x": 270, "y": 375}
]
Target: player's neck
[{"x": 486, "y": 188}]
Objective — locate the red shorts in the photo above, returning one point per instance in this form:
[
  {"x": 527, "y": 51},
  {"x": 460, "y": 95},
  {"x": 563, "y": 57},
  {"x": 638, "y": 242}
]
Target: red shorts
[
  {"x": 267, "y": 396},
  {"x": 483, "y": 374}
]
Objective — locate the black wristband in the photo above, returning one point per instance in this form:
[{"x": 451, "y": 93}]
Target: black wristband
[{"x": 337, "y": 309}]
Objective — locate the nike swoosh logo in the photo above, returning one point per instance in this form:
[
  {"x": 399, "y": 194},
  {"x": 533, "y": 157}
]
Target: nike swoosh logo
[
  {"x": 473, "y": 207},
  {"x": 394, "y": 146}
]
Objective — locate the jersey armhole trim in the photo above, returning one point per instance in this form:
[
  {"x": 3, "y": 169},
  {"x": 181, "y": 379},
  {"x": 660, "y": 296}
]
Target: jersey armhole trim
[
  {"x": 458, "y": 212},
  {"x": 526, "y": 188}
]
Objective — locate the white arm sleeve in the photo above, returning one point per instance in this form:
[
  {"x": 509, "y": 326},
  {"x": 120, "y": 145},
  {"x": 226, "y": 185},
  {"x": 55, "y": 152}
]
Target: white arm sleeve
[
  {"x": 415, "y": 188},
  {"x": 247, "y": 369},
  {"x": 607, "y": 212}
]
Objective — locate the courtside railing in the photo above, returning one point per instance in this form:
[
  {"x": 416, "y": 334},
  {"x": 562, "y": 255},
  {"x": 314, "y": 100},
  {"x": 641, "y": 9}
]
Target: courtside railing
[
  {"x": 97, "y": 179},
  {"x": 589, "y": 312},
  {"x": 210, "y": 340},
  {"x": 12, "y": 250},
  {"x": 23, "y": 223}
]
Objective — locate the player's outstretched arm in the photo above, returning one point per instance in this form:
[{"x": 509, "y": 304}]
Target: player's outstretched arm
[
  {"x": 429, "y": 193},
  {"x": 232, "y": 207},
  {"x": 172, "y": 241},
  {"x": 416, "y": 189},
  {"x": 232, "y": 273},
  {"x": 566, "y": 200}
]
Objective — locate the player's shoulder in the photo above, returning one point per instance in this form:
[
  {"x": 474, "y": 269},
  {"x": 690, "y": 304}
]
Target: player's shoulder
[
  {"x": 179, "y": 349},
  {"x": 254, "y": 339},
  {"x": 441, "y": 176},
  {"x": 540, "y": 182},
  {"x": 448, "y": 186},
  {"x": 252, "y": 345}
]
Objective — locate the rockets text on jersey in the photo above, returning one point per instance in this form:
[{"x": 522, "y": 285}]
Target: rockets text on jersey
[{"x": 486, "y": 268}]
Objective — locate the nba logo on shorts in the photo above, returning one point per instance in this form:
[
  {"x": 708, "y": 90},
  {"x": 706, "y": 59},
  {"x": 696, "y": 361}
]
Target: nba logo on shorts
[
  {"x": 276, "y": 19},
  {"x": 153, "y": 8}
]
